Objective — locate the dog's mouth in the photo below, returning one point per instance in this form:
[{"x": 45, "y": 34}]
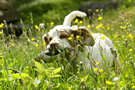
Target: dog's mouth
[{"x": 56, "y": 52}]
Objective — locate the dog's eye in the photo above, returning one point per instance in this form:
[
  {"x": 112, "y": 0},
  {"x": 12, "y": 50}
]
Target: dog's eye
[{"x": 62, "y": 37}]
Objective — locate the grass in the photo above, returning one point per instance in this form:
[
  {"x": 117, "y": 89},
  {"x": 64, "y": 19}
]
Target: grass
[{"x": 17, "y": 57}]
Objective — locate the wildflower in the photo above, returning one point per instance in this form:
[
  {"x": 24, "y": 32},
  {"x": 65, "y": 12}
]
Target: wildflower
[
  {"x": 1, "y": 25},
  {"x": 126, "y": 75},
  {"x": 71, "y": 35},
  {"x": 77, "y": 37},
  {"x": 127, "y": 23},
  {"x": 97, "y": 10},
  {"x": 52, "y": 23},
  {"x": 36, "y": 44},
  {"x": 70, "y": 38},
  {"x": 76, "y": 21},
  {"x": 88, "y": 26},
  {"x": 98, "y": 26},
  {"x": 36, "y": 26},
  {"x": 99, "y": 18},
  {"x": 1, "y": 33},
  {"x": 95, "y": 69},
  {"x": 44, "y": 44},
  {"x": 108, "y": 28},
  {"x": 115, "y": 35},
  {"x": 123, "y": 27},
  {"x": 12, "y": 44},
  {"x": 101, "y": 70},
  {"x": 130, "y": 50},
  {"x": 108, "y": 82},
  {"x": 130, "y": 35},
  {"x": 27, "y": 37},
  {"x": 81, "y": 22},
  {"x": 41, "y": 25},
  {"x": 102, "y": 38},
  {"x": 97, "y": 63},
  {"x": 115, "y": 79},
  {"x": 32, "y": 39},
  {"x": 69, "y": 88},
  {"x": 133, "y": 87}
]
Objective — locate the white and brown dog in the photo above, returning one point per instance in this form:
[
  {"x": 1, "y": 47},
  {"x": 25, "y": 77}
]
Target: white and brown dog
[{"x": 86, "y": 47}]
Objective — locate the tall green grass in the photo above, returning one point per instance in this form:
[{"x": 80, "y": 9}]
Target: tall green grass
[{"x": 17, "y": 58}]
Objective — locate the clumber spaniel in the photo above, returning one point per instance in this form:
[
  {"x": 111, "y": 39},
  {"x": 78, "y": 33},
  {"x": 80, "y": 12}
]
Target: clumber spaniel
[{"x": 80, "y": 44}]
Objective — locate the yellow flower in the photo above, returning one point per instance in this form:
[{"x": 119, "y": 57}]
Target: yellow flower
[
  {"x": 81, "y": 22},
  {"x": 44, "y": 44},
  {"x": 133, "y": 87},
  {"x": 72, "y": 35},
  {"x": 115, "y": 35},
  {"x": 1, "y": 33},
  {"x": 130, "y": 35},
  {"x": 102, "y": 38},
  {"x": 12, "y": 44},
  {"x": 95, "y": 69},
  {"x": 36, "y": 26},
  {"x": 70, "y": 38},
  {"x": 52, "y": 23},
  {"x": 126, "y": 75},
  {"x": 130, "y": 50},
  {"x": 97, "y": 63},
  {"x": 99, "y": 18},
  {"x": 108, "y": 28},
  {"x": 32, "y": 39},
  {"x": 108, "y": 82},
  {"x": 127, "y": 23},
  {"x": 98, "y": 26},
  {"x": 69, "y": 88},
  {"x": 123, "y": 27},
  {"x": 88, "y": 26},
  {"x": 76, "y": 21},
  {"x": 1, "y": 25},
  {"x": 97, "y": 10},
  {"x": 101, "y": 70},
  {"x": 27, "y": 37},
  {"x": 77, "y": 36},
  {"x": 36, "y": 44}
]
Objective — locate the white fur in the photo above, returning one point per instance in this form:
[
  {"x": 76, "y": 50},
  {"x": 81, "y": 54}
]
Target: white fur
[{"x": 99, "y": 52}]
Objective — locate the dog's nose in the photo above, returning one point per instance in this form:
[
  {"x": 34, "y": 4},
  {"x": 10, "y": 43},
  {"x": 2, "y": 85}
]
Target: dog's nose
[{"x": 54, "y": 45}]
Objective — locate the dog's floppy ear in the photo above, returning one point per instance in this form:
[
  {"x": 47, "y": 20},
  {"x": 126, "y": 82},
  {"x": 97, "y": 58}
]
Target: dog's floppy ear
[
  {"x": 85, "y": 36},
  {"x": 45, "y": 39}
]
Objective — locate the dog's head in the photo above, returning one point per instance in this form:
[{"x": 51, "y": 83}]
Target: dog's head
[{"x": 61, "y": 37}]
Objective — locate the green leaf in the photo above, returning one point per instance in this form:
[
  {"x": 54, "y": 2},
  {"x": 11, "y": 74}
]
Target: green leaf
[
  {"x": 55, "y": 76},
  {"x": 40, "y": 67},
  {"x": 57, "y": 70}
]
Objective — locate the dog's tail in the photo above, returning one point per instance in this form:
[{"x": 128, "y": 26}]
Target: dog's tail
[{"x": 71, "y": 16}]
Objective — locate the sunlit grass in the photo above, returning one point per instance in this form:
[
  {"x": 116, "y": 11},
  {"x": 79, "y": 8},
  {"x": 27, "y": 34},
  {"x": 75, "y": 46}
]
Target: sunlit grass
[{"x": 17, "y": 58}]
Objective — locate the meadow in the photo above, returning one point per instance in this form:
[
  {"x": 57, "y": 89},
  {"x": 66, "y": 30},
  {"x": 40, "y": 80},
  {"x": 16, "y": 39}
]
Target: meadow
[{"x": 17, "y": 56}]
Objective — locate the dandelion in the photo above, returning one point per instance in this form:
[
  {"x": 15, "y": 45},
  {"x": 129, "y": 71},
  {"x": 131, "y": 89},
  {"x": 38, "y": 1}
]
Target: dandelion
[
  {"x": 77, "y": 36},
  {"x": 127, "y": 23},
  {"x": 97, "y": 63},
  {"x": 108, "y": 28},
  {"x": 123, "y": 27},
  {"x": 99, "y": 18},
  {"x": 95, "y": 69},
  {"x": 72, "y": 35},
  {"x": 1, "y": 33},
  {"x": 81, "y": 22},
  {"x": 130, "y": 50},
  {"x": 76, "y": 21},
  {"x": 130, "y": 35},
  {"x": 52, "y": 23},
  {"x": 108, "y": 82},
  {"x": 44, "y": 44},
  {"x": 97, "y": 10},
  {"x": 101, "y": 70},
  {"x": 126, "y": 75},
  {"x": 32, "y": 39},
  {"x": 69, "y": 88},
  {"x": 98, "y": 26},
  {"x": 1, "y": 25},
  {"x": 102, "y": 38},
  {"x": 115, "y": 35},
  {"x": 133, "y": 87},
  {"x": 88, "y": 26},
  {"x": 36, "y": 26},
  {"x": 27, "y": 37},
  {"x": 36, "y": 44},
  {"x": 70, "y": 38}
]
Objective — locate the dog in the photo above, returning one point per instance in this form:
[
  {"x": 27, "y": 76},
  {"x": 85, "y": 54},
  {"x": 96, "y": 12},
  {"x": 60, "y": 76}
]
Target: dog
[{"x": 84, "y": 46}]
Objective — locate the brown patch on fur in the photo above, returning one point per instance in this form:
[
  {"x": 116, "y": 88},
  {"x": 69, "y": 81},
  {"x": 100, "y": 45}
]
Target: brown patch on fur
[
  {"x": 47, "y": 39},
  {"x": 64, "y": 34}
]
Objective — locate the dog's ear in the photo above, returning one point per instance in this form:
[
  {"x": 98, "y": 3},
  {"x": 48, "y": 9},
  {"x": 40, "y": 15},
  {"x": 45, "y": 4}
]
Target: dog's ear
[
  {"x": 45, "y": 39},
  {"x": 85, "y": 36}
]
